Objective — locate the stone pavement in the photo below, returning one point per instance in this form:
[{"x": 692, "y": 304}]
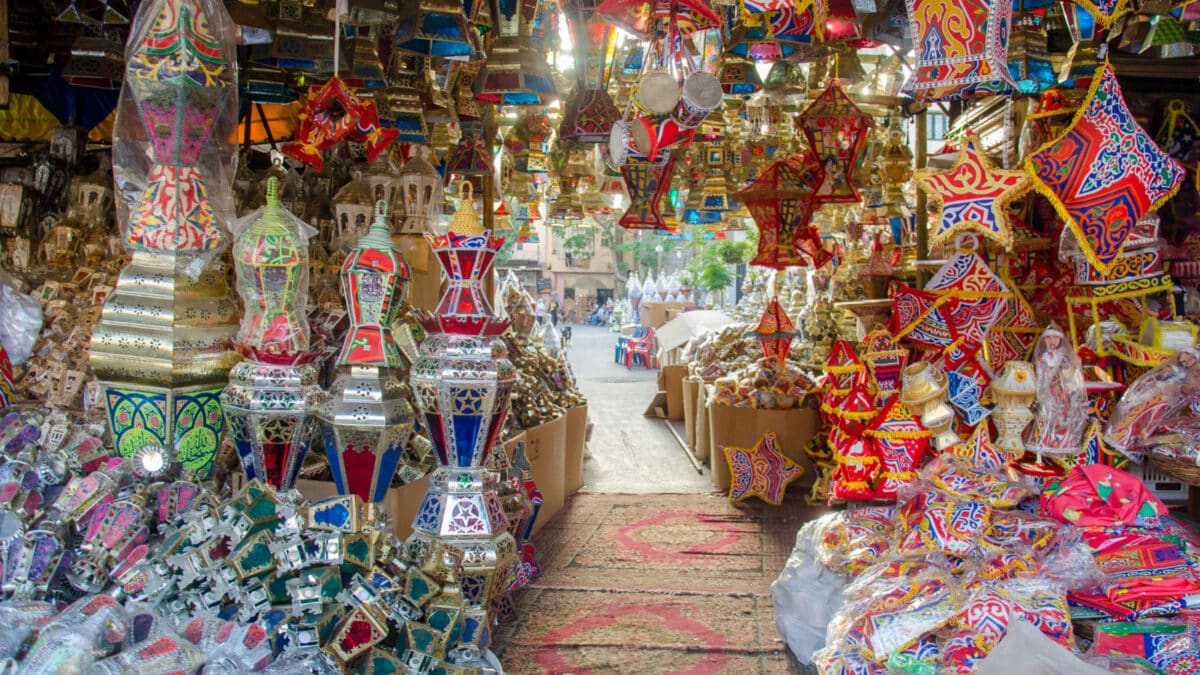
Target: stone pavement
[{"x": 629, "y": 452}]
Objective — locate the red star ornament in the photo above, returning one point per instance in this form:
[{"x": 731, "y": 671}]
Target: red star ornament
[
  {"x": 761, "y": 471},
  {"x": 973, "y": 196}
]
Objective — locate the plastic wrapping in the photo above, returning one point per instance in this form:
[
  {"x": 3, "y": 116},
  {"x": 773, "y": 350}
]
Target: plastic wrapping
[
  {"x": 270, "y": 257},
  {"x": 173, "y": 152},
  {"x": 806, "y": 595},
  {"x": 20, "y": 320},
  {"x": 1062, "y": 404},
  {"x": 1156, "y": 395}
]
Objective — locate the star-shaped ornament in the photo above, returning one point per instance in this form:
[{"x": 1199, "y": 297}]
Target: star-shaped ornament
[
  {"x": 973, "y": 196},
  {"x": 761, "y": 471}
]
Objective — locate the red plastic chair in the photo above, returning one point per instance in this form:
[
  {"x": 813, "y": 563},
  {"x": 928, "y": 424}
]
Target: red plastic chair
[{"x": 641, "y": 350}]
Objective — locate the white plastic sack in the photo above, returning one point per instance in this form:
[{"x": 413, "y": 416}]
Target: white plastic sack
[
  {"x": 20, "y": 321},
  {"x": 806, "y": 596},
  {"x": 1026, "y": 650}
]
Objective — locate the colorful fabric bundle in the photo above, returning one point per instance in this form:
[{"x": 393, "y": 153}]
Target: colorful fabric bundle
[
  {"x": 1097, "y": 495},
  {"x": 7, "y": 393},
  {"x": 1141, "y": 567}
]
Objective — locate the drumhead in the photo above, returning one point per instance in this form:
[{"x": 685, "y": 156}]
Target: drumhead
[
  {"x": 657, "y": 92},
  {"x": 702, "y": 90},
  {"x": 618, "y": 142}
]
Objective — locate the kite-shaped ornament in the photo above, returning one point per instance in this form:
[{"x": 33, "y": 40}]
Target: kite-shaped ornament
[{"x": 1104, "y": 173}]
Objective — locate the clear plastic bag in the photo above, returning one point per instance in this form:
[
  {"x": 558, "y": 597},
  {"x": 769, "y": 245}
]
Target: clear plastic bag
[
  {"x": 270, "y": 257},
  {"x": 1155, "y": 396},
  {"x": 20, "y": 320},
  {"x": 174, "y": 154}
]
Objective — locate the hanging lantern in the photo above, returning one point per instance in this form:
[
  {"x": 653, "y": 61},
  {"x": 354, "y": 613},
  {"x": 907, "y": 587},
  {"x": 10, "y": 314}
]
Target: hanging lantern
[
  {"x": 775, "y": 331},
  {"x": 515, "y": 73},
  {"x": 647, "y": 181},
  {"x": 96, "y": 62},
  {"x": 261, "y": 83},
  {"x": 739, "y": 78},
  {"x": 421, "y": 193},
  {"x": 435, "y": 28},
  {"x": 366, "y": 70},
  {"x": 367, "y": 421},
  {"x": 589, "y": 113},
  {"x": 271, "y": 395},
  {"x": 302, "y": 39},
  {"x": 781, "y": 201},
  {"x": 837, "y": 131},
  {"x": 473, "y": 154}
]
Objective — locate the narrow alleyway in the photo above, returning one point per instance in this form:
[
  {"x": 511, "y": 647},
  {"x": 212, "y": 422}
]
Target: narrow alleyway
[{"x": 647, "y": 569}]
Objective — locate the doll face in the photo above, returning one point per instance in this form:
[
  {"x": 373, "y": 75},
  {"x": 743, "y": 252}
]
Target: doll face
[
  {"x": 1187, "y": 360},
  {"x": 1053, "y": 341}
]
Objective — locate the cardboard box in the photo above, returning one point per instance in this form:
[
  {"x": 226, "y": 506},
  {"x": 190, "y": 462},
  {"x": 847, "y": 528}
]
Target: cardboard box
[
  {"x": 703, "y": 432},
  {"x": 577, "y": 423},
  {"x": 654, "y": 314},
  {"x": 546, "y": 448},
  {"x": 671, "y": 381},
  {"x": 690, "y": 394},
  {"x": 743, "y": 427},
  {"x": 658, "y": 406}
]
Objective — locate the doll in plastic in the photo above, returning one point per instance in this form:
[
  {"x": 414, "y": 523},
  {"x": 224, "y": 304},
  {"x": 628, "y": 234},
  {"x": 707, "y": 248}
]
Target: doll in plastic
[
  {"x": 1153, "y": 397},
  {"x": 1062, "y": 403}
]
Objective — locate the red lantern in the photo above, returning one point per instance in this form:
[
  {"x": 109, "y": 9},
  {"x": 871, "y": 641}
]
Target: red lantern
[
  {"x": 781, "y": 201},
  {"x": 836, "y": 131}
]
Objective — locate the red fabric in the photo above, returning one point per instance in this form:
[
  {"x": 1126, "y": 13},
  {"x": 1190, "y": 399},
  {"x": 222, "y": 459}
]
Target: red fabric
[{"x": 1098, "y": 495}]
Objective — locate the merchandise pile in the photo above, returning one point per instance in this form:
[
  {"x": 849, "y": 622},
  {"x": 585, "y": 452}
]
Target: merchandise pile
[{"x": 115, "y": 564}]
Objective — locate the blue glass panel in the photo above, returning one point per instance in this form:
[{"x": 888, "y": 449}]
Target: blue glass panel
[{"x": 466, "y": 429}]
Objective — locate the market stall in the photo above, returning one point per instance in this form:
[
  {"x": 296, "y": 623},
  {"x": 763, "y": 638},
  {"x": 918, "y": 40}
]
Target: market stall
[{"x": 265, "y": 406}]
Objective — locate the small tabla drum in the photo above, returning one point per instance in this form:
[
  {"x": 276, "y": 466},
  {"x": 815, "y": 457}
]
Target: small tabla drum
[
  {"x": 701, "y": 95},
  {"x": 656, "y": 92},
  {"x": 652, "y": 135},
  {"x": 620, "y": 142}
]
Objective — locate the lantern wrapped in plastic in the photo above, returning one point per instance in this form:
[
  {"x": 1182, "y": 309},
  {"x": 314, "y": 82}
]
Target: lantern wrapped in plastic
[
  {"x": 1014, "y": 392},
  {"x": 367, "y": 421},
  {"x": 648, "y": 181},
  {"x": 161, "y": 347},
  {"x": 271, "y": 396}
]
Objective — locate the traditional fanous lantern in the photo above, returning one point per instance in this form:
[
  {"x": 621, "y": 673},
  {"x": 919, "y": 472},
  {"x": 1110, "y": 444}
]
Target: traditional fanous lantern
[
  {"x": 515, "y": 73},
  {"x": 367, "y": 420},
  {"x": 462, "y": 383},
  {"x": 421, "y": 193},
  {"x": 590, "y": 112},
  {"x": 435, "y": 28},
  {"x": 161, "y": 345},
  {"x": 775, "y": 331},
  {"x": 271, "y": 396},
  {"x": 837, "y": 132},
  {"x": 781, "y": 201}
]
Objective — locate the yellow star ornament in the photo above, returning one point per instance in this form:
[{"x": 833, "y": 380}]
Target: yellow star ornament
[{"x": 973, "y": 196}]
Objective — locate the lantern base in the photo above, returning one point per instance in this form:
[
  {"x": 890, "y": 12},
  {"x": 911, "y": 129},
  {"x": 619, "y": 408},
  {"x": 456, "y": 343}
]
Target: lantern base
[
  {"x": 269, "y": 409},
  {"x": 366, "y": 423},
  {"x": 462, "y": 511},
  {"x": 188, "y": 419}
]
